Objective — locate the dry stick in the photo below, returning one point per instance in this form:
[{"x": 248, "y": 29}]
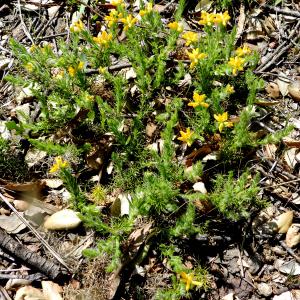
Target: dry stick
[
  {"x": 23, "y": 24},
  {"x": 282, "y": 11},
  {"x": 241, "y": 22},
  {"x": 47, "y": 246},
  {"x": 111, "y": 68},
  {"x": 279, "y": 50},
  {"x": 4, "y": 293},
  {"x": 290, "y": 251},
  {"x": 40, "y": 263}
]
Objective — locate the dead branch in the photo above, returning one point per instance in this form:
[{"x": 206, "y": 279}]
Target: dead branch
[{"x": 39, "y": 263}]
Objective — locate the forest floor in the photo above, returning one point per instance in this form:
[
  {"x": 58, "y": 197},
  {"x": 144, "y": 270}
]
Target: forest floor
[{"x": 187, "y": 238}]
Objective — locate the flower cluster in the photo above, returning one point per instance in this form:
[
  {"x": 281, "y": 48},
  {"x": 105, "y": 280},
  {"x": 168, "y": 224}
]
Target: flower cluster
[
  {"x": 73, "y": 70},
  {"x": 236, "y": 64},
  {"x": 148, "y": 9},
  {"x": 103, "y": 38},
  {"x": 190, "y": 37},
  {"x": 77, "y": 26},
  {"x": 195, "y": 56},
  {"x": 189, "y": 281},
  {"x": 58, "y": 165},
  {"x": 198, "y": 101},
  {"x": 187, "y": 137},
  {"x": 222, "y": 120},
  {"x": 217, "y": 19},
  {"x": 176, "y": 26}
]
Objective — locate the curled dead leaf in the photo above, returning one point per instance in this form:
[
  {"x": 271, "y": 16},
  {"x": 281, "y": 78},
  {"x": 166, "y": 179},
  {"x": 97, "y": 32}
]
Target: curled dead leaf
[
  {"x": 293, "y": 235},
  {"x": 273, "y": 90},
  {"x": 284, "y": 221},
  {"x": 294, "y": 90},
  {"x": 29, "y": 293}
]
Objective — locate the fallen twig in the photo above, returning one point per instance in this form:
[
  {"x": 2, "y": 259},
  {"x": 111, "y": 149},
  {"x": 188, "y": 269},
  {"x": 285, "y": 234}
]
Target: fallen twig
[
  {"x": 273, "y": 57},
  {"x": 40, "y": 263},
  {"x": 282, "y": 11},
  {"x": 23, "y": 24}
]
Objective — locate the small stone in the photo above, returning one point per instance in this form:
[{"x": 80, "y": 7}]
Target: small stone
[
  {"x": 264, "y": 289},
  {"x": 63, "y": 220},
  {"x": 200, "y": 187}
]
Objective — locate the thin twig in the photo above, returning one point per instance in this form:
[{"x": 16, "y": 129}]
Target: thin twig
[
  {"x": 290, "y": 251},
  {"x": 279, "y": 51},
  {"x": 47, "y": 246},
  {"x": 283, "y": 11},
  {"x": 23, "y": 23}
]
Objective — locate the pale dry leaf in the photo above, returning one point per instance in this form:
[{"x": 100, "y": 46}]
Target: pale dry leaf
[
  {"x": 150, "y": 129},
  {"x": 290, "y": 157},
  {"x": 284, "y": 221},
  {"x": 53, "y": 183},
  {"x": 51, "y": 290},
  {"x": 283, "y": 86},
  {"x": 294, "y": 90},
  {"x": 63, "y": 220},
  {"x": 273, "y": 90},
  {"x": 292, "y": 238},
  {"x": 229, "y": 296},
  {"x": 29, "y": 293},
  {"x": 121, "y": 205},
  {"x": 11, "y": 224},
  {"x": 290, "y": 267}
]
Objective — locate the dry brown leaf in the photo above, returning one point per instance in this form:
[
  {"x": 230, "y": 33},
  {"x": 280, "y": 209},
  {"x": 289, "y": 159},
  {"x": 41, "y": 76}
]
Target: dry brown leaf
[
  {"x": 290, "y": 142},
  {"x": 150, "y": 129},
  {"x": 203, "y": 206},
  {"x": 273, "y": 90},
  {"x": 269, "y": 151},
  {"x": 293, "y": 235}
]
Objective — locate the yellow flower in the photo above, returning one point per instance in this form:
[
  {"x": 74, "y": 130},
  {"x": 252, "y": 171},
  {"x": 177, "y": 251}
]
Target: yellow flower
[
  {"x": 190, "y": 37},
  {"x": 147, "y": 10},
  {"x": 71, "y": 71},
  {"x": 186, "y": 137},
  {"x": 198, "y": 100},
  {"x": 236, "y": 63},
  {"x": 188, "y": 279},
  {"x": 77, "y": 26},
  {"x": 32, "y": 48},
  {"x": 206, "y": 18},
  {"x": 117, "y": 2},
  {"x": 59, "y": 164},
  {"x": 195, "y": 56},
  {"x": 222, "y": 120},
  {"x": 103, "y": 38},
  {"x": 129, "y": 22},
  {"x": 102, "y": 70},
  {"x": 80, "y": 65},
  {"x": 241, "y": 51},
  {"x": 112, "y": 18},
  {"x": 176, "y": 26},
  {"x": 29, "y": 67},
  {"x": 229, "y": 89},
  {"x": 222, "y": 18}
]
